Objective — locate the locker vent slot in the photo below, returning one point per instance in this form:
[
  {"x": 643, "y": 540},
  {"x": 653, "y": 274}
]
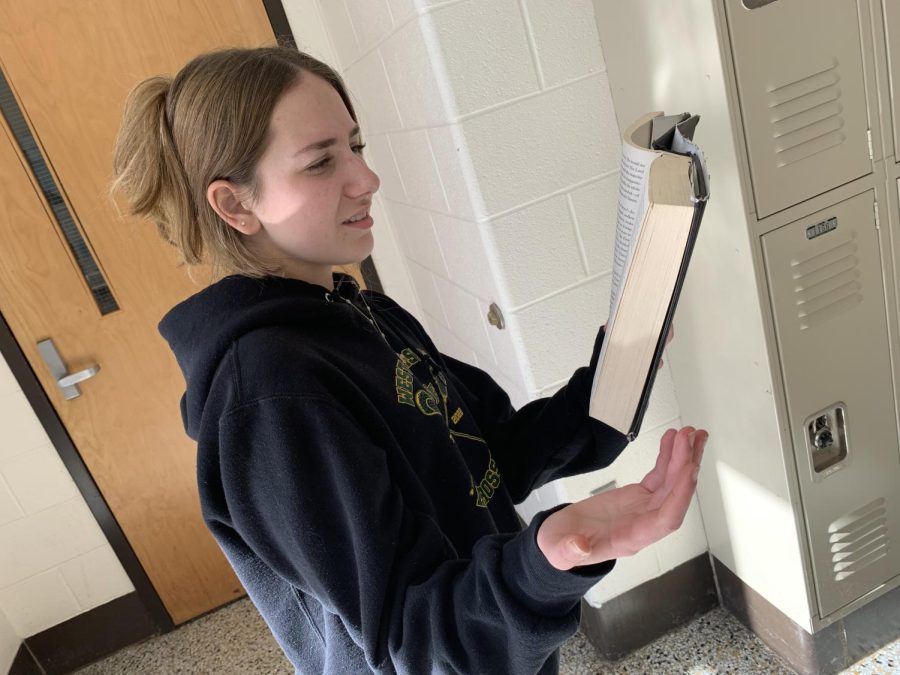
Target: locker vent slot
[
  {"x": 826, "y": 284},
  {"x": 858, "y": 539},
  {"x": 806, "y": 116}
]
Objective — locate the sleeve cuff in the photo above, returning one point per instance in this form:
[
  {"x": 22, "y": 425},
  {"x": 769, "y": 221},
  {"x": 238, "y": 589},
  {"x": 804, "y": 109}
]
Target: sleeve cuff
[{"x": 539, "y": 585}]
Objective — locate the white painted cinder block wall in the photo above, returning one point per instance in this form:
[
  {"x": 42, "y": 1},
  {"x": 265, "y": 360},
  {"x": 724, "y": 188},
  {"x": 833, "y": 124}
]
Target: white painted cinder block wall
[{"x": 492, "y": 126}]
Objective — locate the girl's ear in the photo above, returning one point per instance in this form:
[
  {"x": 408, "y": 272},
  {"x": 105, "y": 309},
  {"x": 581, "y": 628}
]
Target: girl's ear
[{"x": 223, "y": 196}]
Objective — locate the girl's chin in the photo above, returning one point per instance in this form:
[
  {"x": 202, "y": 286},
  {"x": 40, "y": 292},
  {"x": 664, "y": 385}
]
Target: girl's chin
[
  {"x": 361, "y": 253},
  {"x": 368, "y": 242}
]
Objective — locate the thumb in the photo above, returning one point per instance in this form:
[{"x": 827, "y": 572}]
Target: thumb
[
  {"x": 569, "y": 552},
  {"x": 577, "y": 548}
]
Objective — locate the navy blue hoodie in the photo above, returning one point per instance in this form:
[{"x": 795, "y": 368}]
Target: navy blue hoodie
[{"x": 362, "y": 484}]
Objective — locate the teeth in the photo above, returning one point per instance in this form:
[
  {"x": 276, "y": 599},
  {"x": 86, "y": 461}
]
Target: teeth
[{"x": 355, "y": 219}]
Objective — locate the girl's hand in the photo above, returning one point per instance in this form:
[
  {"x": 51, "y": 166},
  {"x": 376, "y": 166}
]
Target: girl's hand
[{"x": 623, "y": 521}]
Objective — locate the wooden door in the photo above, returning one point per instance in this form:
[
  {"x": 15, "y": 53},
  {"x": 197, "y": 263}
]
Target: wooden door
[{"x": 70, "y": 65}]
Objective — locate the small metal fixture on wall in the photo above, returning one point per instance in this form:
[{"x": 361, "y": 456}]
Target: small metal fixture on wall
[{"x": 495, "y": 317}]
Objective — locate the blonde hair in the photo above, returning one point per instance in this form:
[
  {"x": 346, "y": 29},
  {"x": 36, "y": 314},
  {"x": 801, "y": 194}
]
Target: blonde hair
[{"x": 210, "y": 121}]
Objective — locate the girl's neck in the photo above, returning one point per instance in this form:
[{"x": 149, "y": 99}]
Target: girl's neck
[{"x": 310, "y": 273}]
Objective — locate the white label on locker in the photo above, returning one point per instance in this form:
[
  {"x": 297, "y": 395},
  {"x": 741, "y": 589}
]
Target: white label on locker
[{"x": 819, "y": 229}]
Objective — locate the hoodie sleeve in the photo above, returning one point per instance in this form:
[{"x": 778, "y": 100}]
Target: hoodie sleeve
[
  {"x": 313, "y": 496},
  {"x": 546, "y": 439}
]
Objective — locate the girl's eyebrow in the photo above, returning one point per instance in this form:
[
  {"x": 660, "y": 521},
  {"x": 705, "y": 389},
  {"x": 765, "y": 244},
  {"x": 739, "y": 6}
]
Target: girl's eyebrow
[{"x": 326, "y": 143}]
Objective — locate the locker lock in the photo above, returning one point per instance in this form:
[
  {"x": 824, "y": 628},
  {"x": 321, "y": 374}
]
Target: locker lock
[
  {"x": 826, "y": 437},
  {"x": 822, "y": 437}
]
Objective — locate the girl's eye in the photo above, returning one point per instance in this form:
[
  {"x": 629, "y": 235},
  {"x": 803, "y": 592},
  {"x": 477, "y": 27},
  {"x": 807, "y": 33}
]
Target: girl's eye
[
  {"x": 319, "y": 166},
  {"x": 322, "y": 164}
]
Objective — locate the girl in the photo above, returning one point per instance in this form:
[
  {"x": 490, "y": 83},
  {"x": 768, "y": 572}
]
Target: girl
[{"x": 360, "y": 482}]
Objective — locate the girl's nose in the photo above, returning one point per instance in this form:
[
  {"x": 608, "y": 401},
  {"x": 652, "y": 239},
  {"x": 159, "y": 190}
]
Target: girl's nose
[{"x": 364, "y": 180}]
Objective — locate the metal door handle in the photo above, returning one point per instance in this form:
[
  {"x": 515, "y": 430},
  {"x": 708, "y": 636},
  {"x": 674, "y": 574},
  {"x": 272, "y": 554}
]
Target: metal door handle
[
  {"x": 64, "y": 379},
  {"x": 80, "y": 376}
]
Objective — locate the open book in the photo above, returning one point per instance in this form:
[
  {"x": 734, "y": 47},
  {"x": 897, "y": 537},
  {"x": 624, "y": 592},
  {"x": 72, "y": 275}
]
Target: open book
[{"x": 663, "y": 189}]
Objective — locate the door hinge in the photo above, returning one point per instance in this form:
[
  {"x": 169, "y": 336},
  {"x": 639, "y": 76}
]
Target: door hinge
[{"x": 869, "y": 140}]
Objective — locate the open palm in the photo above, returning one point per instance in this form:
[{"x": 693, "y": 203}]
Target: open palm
[{"x": 625, "y": 520}]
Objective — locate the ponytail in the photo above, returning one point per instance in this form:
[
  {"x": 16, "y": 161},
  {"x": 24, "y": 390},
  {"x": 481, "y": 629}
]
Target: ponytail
[{"x": 148, "y": 171}]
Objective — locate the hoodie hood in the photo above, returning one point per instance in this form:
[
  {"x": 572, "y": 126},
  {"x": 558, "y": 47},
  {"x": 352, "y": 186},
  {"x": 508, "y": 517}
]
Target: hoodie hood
[{"x": 202, "y": 329}]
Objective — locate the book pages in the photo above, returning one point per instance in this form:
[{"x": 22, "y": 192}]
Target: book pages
[{"x": 633, "y": 203}]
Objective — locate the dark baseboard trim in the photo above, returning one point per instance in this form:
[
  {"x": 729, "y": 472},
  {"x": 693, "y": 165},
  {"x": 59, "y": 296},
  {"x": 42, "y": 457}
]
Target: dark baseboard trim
[
  {"x": 639, "y": 616},
  {"x": 86, "y": 638},
  {"x": 828, "y": 651},
  {"x": 24, "y": 663}
]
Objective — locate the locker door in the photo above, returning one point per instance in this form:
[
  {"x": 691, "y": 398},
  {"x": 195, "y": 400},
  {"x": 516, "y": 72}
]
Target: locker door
[
  {"x": 798, "y": 66},
  {"x": 892, "y": 35},
  {"x": 825, "y": 284}
]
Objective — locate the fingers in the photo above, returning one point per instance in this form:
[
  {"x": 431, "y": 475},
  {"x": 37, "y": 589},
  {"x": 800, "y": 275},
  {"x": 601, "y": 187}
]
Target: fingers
[
  {"x": 689, "y": 443},
  {"x": 682, "y": 451},
  {"x": 700, "y": 439},
  {"x": 653, "y": 480},
  {"x": 671, "y": 513},
  {"x": 687, "y": 448},
  {"x": 682, "y": 476}
]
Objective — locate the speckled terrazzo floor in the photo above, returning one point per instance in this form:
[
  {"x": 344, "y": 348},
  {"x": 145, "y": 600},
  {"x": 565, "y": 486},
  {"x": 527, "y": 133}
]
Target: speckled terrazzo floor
[{"x": 234, "y": 640}]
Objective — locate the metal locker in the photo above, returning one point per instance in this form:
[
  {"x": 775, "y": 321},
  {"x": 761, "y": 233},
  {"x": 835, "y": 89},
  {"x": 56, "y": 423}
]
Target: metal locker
[
  {"x": 892, "y": 35},
  {"x": 799, "y": 74},
  {"x": 826, "y": 288}
]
